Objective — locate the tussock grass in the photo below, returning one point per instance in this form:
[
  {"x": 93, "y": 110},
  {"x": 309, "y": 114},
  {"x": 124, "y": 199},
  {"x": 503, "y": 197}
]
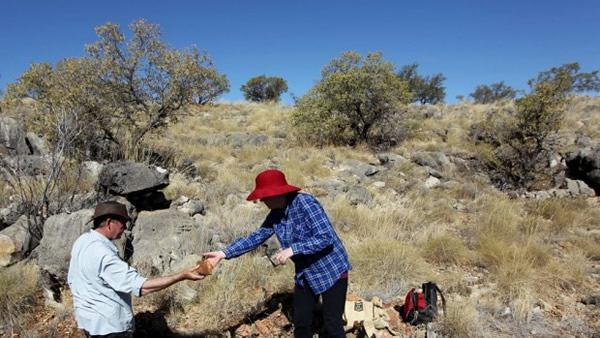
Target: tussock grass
[
  {"x": 378, "y": 222},
  {"x": 17, "y": 291},
  {"x": 179, "y": 186},
  {"x": 385, "y": 268},
  {"x": 563, "y": 214},
  {"x": 238, "y": 286},
  {"x": 461, "y": 320},
  {"x": 589, "y": 246},
  {"x": 445, "y": 249}
]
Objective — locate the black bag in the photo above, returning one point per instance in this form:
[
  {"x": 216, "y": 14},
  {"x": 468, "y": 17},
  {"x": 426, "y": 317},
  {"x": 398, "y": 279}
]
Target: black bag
[{"x": 421, "y": 307}]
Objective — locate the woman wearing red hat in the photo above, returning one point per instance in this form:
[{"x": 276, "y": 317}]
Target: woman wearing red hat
[{"x": 309, "y": 240}]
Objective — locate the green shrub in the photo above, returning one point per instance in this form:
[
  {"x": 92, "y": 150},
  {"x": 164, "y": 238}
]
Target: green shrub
[{"x": 353, "y": 102}]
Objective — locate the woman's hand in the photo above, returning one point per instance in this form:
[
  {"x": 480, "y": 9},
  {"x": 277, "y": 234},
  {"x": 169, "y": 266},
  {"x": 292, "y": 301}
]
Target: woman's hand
[
  {"x": 282, "y": 256},
  {"x": 214, "y": 257}
]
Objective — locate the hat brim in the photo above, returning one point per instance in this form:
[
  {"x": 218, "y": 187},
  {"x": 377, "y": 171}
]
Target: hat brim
[{"x": 271, "y": 191}]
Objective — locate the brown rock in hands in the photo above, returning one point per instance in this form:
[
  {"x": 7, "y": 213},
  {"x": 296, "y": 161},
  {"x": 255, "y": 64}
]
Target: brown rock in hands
[{"x": 205, "y": 267}]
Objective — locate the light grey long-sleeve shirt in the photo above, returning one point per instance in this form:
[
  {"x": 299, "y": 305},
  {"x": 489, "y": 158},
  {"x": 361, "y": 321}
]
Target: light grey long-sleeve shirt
[{"x": 102, "y": 285}]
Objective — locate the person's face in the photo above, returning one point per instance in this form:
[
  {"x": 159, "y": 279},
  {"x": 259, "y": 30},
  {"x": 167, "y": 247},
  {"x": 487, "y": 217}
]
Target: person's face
[
  {"x": 116, "y": 227},
  {"x": 274, "y": 202}
]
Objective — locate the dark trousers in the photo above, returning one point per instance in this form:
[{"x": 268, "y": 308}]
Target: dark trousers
[
  {"x": 110, "y": 335},
  {"x": 333, "y": 301}
]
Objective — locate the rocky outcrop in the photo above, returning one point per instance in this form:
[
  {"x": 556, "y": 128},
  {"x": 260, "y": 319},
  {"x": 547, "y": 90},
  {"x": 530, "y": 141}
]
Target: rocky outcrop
[
  {"x": 12, "y": 137},
  {"x": 60, "y": 232},
  {"x": 125, "y": 179},
  {"x": 163, "y": 237},
  {"x": 584, "y": 164}
]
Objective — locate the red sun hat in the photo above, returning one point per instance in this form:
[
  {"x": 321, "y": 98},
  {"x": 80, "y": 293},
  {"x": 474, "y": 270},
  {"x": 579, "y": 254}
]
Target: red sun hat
[{"x": 270, "y": 183}]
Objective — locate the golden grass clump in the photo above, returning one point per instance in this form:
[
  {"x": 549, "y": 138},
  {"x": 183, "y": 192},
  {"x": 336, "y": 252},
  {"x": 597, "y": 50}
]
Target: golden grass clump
[
  {"x": 17, "y": 291},
  {"x": 563, "y": 213},
  {"x": 374, "y": 222},
  {"x": 446, "y": 249},
  {"x": 385, "y": 268},
  {"x": 461, "y": 320}
]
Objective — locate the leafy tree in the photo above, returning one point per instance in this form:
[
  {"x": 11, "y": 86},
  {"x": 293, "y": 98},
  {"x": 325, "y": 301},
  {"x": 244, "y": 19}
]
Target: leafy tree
[
  {"x": 264, "y": 89},
  {"x": 355, "y": 98},
  {"x": 567, "y": 79},
  {"x": 525, "y": 140},
  {"x": 125, "y": 88},
  {"x": 496, "y": 91},
  {"x": 428, "y": 89}
]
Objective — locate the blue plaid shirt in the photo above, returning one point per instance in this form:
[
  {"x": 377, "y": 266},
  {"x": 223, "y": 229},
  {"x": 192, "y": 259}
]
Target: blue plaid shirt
[{"x": 319, "y": 256}]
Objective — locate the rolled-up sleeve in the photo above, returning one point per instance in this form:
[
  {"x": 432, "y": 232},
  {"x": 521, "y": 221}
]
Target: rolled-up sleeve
[
  {"x": 245, "y": 244},
  {"x": 120, "y": 276}
]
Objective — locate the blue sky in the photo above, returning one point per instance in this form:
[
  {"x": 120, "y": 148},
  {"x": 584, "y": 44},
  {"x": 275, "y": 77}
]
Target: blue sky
[{"x": 470, "y": 42}]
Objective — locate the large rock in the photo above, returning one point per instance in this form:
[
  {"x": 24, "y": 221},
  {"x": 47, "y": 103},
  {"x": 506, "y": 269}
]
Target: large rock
[
  {"x": 12, "y": 137},
  {"x": 10, "y": 214},
  {"x": 29, "y": 165},
  {"x": 584, "y": 164},
  {"x": 35, "y": 144},
  {"x": 436, "y": 160},
  {"x": 164, "y": 237},
  {"x": 12, "y": 240},
  {"x": 60, "y": 232},
  {"x": 124, "y": 178}
]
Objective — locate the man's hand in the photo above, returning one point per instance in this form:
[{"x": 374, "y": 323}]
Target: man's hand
[
  {"x": 192, "y": 274},
  {"x": 282, "y": 256},
  {"x": 159, "y": 283},
  {"x": 214, "y": 257}
]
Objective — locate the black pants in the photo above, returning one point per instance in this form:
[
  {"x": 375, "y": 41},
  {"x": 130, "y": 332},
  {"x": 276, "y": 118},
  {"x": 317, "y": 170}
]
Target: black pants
[
  {"x": 333, "y": 308},
  {"x": 110, "y": 335}
]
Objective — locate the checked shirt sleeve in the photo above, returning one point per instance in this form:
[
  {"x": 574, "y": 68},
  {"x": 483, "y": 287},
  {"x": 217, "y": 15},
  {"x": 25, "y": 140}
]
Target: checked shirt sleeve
[
  {"x": 319, "y": 224},
  {"x": 245, "y": 244}
]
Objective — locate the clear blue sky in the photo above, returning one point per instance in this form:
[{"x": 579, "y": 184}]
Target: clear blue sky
[{"x": 470, "y": 42}]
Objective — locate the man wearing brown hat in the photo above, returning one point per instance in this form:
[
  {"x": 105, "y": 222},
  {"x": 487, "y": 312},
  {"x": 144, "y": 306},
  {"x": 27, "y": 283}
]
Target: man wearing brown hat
[{"x": 102, "y": 283}]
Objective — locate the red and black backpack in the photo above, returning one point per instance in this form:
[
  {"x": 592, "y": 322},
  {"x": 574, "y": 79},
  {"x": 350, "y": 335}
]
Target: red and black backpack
[{"x": 421, "y": 307}]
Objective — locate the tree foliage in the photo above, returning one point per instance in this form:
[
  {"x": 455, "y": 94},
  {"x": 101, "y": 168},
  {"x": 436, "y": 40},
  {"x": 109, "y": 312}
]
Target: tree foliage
[
  {"x": 567, "y": 79},
  {"x": 125, "y": 88},
  {"x": 525, "y": 141},
  {"x": 352, "y": 102},
  {"x": 264, "y": 89},
  {"x": 495, "y": 92},
  {"x": 428, "y": 89}
]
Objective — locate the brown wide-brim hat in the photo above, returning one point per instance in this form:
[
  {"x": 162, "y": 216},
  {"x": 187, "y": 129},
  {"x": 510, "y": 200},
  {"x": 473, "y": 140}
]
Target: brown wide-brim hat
[
  {"x": 271, "y": 183},
  {"x": 111, "y": 208}
]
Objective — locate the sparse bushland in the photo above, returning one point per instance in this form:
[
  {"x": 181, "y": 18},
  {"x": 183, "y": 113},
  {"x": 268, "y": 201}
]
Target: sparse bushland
[
  {"x": 496, "y": 254},
  {"x": 125, "y": 89}
]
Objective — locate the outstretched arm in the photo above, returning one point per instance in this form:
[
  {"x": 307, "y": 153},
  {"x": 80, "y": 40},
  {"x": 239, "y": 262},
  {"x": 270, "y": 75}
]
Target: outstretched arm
[{"x": 156, "y": 284}]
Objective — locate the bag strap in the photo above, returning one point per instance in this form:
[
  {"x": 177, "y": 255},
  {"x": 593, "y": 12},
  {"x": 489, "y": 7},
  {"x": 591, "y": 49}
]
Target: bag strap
[{"x": 436, "y": 288}]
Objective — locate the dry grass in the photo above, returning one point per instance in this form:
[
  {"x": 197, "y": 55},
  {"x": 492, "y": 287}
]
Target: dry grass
[
  {"x": 17, "y": 291},
  {"x": 446, "y": 249},
  {"x": 385, "y": 268},
  {"x": 238, "y": 287},
  {"x": 461, "y": 320},
  {"x": 374, "y": 222},
  {"x": 562, "y": 214}
]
